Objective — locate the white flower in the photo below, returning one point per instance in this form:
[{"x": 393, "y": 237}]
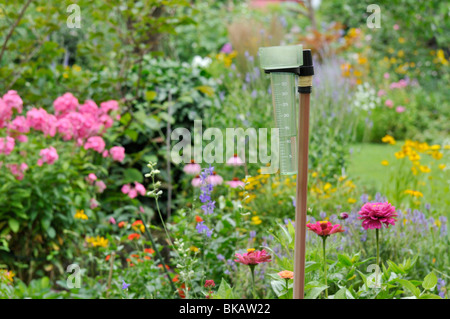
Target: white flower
[{"x": 198, "y": 61}]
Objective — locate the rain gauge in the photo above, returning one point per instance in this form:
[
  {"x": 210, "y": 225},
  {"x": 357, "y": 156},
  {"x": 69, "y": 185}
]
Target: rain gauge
[
  {"x": 288, "y": 65},
  {"x": 282, "y": 63}
]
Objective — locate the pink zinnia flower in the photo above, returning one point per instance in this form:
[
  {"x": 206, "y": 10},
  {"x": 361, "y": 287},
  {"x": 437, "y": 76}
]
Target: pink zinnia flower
[
  {"x": 386, "y": 75},
  {"x": 112, "y": 220},
  {"x": 117, "y": 153},
  {"x": 381, "y": 92},
  {"x": 214, "y": 179},
  {"x": 374, "y": 215},
  {"x": 400, "y": 109},
  {"x": 389, "y": 103},
  {"x": 139, "y": 188},
  {"x": 13, "y": 100},
  {"x": 235, "y": 160},
  {"x": 235, "y": 183},
  {"x": 192, "y": 168},
  {"x": 325, "y": 228},
  {"x": 48, "y": 155},
  {"x": 253, "y": 257},
  {"x": 96, "y": 143},
  {"x": 196, "y": 181}
]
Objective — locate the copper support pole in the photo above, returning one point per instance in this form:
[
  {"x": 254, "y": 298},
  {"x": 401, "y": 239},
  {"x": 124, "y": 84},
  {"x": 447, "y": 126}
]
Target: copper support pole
[{"x": 301, "y": 198}]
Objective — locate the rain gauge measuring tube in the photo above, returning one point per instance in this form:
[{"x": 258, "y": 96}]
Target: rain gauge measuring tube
[
  {"x": 285, "y": 64},
  {"x": 282, "y": 63}
]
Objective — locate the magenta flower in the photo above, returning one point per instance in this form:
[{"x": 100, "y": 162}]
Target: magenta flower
[
  {"x": 192, "y": 168},
  {"x": 117, "y": 153},
  {"x": 236, "y": 183},
  {"x": 325, "y": 228},
  {"x": 112, "y": 220},
  {"x": 343, "y": 216},
  {"x": 108, "y": 106},
  {"x": 93, "y": 203},
  {"x": 235, "y": 160},
  {"x": 65, "y": 104},
  {"x": 5, "y": 113},
  {"x": 132, "y": 193},
  {"x": 100, "y": 186},
  {"x": 209, "y": 283},
  {"x": 374, "y": 215},
  {"x": 227, "y": 48},
  {"x": 253, "y": 257}
]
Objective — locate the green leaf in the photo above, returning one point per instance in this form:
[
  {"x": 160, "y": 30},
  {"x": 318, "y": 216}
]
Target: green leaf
[
  {"x": 430, "y": 296},
  {"x": 345, "y": 260},
  {"x": 224, "y": 291},
  {"x": 408, "y": 285},
  {"x": 315, "y": 292},
  {"x": 279, "y": 287},
  {"x": 430, "y": 281},
  {"x": 13, "y": 224},
  {"x": 131, "y": 175}
]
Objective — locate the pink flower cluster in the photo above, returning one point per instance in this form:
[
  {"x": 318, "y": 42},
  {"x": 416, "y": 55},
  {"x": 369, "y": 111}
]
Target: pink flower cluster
[
  {"x": 83, "y": 123},
  {"x": 399, "y": 85},
  {"x": 134, "y": 191},
  {"x": 17, "y": 170},
  {"x": 48, "y": 155}
]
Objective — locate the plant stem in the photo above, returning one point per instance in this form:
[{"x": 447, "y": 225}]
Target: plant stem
[
  {"x": 378, "y": 246},
  {"x": 324, "y": 238},
  {"x": 252, "y": 269}
]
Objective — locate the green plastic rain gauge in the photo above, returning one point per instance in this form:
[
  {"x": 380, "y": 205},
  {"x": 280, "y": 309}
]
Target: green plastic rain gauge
[{"x": 282, "y": 63}]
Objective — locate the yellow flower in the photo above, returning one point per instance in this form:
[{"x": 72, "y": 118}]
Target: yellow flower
[
  {"x": 401, "y": 54},
  {"x": 384, "y": 163},
  {"x": 327, "y": 187},
  {"x": 76, "y": 68},
  {"x": 97, "y": 241},
  {"x": 401, "y": 40},
  {"x": 65, "y": 75},
  {"x": 250, "y": 250},
  {"x": 435, "y": 147},
  {"x": 388, "y": 139},
  {"x": 441, "y": 57},
  {"x": 413, "y": 193},
  {"x": 351, "y": 200},
  {"x": 256, "y": 220},
  {"x": 437, "y": 155},
  {"x": 341, "y": 178},
  {"x": 80, "y": 214},
  {"x": 442, "y": 166},
  {"x": 424, "y": 169},
  {"x": 7, "y": 274},
  {"x": 399, "y": 154},
  {"x": 194, "y": 249},
  {"x": 437, "y": 222}
]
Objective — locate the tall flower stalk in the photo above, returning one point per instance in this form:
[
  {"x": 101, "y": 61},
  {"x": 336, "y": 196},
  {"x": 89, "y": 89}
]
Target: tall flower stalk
[
  {"x": 252, "y": 258},
  {"x": 374, "y": 215},
  {"x": 325, "y": 229}
]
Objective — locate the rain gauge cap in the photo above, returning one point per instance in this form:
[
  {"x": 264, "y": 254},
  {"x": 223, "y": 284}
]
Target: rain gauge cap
[{"x": 281, "y": 57}]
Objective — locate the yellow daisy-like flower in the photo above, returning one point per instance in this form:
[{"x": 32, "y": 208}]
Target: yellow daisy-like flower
[
  {"x": 424, "y": 169},
  {"x": 80, "y": 214},
  {"x": 413, "y": 193},
  {"x": 399, "y": 155},
  {"x": 250, "y": 250},
  {"x": 194, "y": 249},
  {"x": 388, "y": 139},
  {"x": 97, "y": 241},
  {"x": 384, "y": 163},
  {"x": 437, "y": 155},
  {"x": 442, "y": 166},
  {"x": 256, "y": 220},
  {"x": 351, "y": 200},
  {"x": 401, "y": 40}
]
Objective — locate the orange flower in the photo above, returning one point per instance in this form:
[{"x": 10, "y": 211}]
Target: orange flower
[
  {"x": 134, "y": 236},
  {"x": 107, "y": 257},
  {"x": 138, "y": 225},
  {"x": 286, "y": 274},
  {"x": 160, "y": 266},
  {"x": 149, "y": 251},
  {"x": 121, "y": 224},
  {"x": 198, "y": 219},
  {"x": 176, "y": 278}
]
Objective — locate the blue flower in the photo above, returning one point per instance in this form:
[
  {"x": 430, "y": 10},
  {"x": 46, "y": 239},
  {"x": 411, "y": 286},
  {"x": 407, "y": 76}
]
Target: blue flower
[{"x": 125, "y": 285}]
